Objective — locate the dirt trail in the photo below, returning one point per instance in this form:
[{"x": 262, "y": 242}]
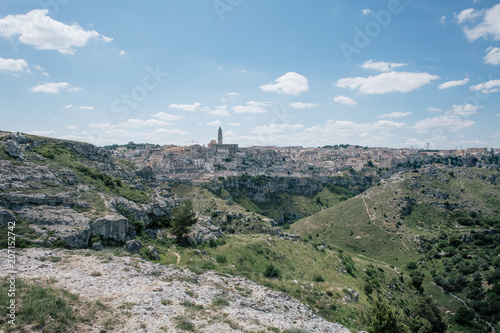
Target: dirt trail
[
  {"x": 178, "y": 258},
  {"x": 372, "y": 219}
]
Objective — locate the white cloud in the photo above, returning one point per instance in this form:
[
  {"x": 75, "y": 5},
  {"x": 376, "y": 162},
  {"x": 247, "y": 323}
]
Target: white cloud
[
  {"x": 13, "y": 65},
  {"x": 234, "y": 124},
  {"x": 469, "y": 14},
  {"x": 381, "y": 66},
  {"x": 493, "y": 56},
  {"x": 487, "y": 87},
  {"x": 130, "y": 123},
  {"x": 72, "y": 127},
  {"x": 50, "y": 88},
  {"x": 489, "y": 24},
  {"x": 449, "y": 121},
  {"x": 450, "y": 84},
  {"x": 39, "y": 30},
  {"x": 86, "y": 107},
  {"x": 463, "y": 110},
  {"x": 69, "y": 106},
  {"x": 442, "y": 20},
  {"x": 366, "y": 11},
  {"x": 100, "y": 126},
  {"x": 186, "y": 107},
  {"x": 134, "y": 123},
  {"x": 43, "y": 133},
  {"x": 301, "y": 105},
  {"x": 387, "y": 82},
  {"x": 251, "y": 107},
  {"x": 433, "y": 109},
  {"x": 377, "y": 133},
  {"x": 275, "y": 129},
  {"x": 169, "y": 132},
  {"x": 396, "y": 114},
  {"x": 220, "y": 111},
  {"x": 214, "y": 123},
  {"x": 75, "y": 89},
  {"x": 344, "y": 100},
  {"x": 291, "y": 84},
  {"x": 166, "y": 116},
  {"x": 122, "y": 52}
]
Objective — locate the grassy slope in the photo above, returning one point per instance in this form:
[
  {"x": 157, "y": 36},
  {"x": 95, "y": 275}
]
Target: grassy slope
[
  {"x": 315, "y": 275},
  {"x": 389, "y": 234}
]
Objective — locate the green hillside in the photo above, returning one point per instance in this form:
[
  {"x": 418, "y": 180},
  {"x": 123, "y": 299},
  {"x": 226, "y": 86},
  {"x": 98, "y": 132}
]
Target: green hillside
[{"x": 440, "y": 225}]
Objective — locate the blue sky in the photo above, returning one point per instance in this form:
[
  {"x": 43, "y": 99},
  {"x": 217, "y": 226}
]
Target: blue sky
[{"x": 391, "y": 73}]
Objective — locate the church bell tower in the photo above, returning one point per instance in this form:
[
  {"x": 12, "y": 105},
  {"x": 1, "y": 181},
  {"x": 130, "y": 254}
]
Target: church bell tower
[{"x": 219, "y": 136}]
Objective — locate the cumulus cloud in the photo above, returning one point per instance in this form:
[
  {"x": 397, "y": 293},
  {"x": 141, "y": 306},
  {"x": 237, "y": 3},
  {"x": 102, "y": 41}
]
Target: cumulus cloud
[
  {"x": 220, "y": 111},
  {"x": 275, "y": 129},
  {"x": 381, "y": 66},
  {"x": 489, "y": 22},
  {"x": 251, "y": 107},
  {"x": 186, "y": 107},
  {"x": 462, "y": 110},
  {"x": 301, "y": 105},
  {"x": 467, "y": 15},
  {"x": 290, "y": 84},
  {"x": 42, "y": 32},
  {"x": 387, "y": 82},
  {"x": 451, "y": 120},
  {"x": 216, "y": 123},
  {"x": 493, "y": 56},
  {"x": 50, "y": 88},
  {"x": 448, "y": 121},
  {"x": 135, "y": 123},
  {"x": 344, "y": 100},
  {"x": 43, "y": 133},
  {"x": 166, "y": 116},
  {"x": 433, "y": 109},
  {"x": 366, "y": 11},
  {"x": 396, "y": 114},
  {"x": 86, "y": 107},
  {"x": 487, "y": 87},
  {"x": 450, "y": 84},
  {"x": 130, "y": 123},
  {"x": 13, "y": 65}
]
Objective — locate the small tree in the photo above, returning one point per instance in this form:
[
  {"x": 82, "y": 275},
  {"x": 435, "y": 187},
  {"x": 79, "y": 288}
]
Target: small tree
[
  {"x": 383, "y": 320},
  {"x": 183, "y": 217}
]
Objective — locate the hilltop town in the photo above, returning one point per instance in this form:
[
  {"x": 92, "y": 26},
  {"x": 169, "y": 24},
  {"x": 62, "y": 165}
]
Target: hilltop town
[{"x": 218, "y": 159}]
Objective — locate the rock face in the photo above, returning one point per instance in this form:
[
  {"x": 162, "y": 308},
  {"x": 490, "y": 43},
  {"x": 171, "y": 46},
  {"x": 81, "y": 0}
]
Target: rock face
[
  {"x": 62, "y": 202},
  {"x": 6, "y": 217},
  {"x": 113, "y": 227},
  {"x": 13, "y": 149},
  {"x": 58, "y": 222},
  {"x": 155, "y": 294},
  {"x": 203, "y": 231},
  {"x": 133, "y": 246}
]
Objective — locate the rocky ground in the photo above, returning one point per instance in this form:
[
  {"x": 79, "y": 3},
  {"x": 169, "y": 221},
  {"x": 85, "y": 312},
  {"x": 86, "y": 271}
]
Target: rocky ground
[{"x": 148, "y": 297}]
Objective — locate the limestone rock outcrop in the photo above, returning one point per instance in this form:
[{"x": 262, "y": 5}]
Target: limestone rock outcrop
[{"x": 113, "y": 227}]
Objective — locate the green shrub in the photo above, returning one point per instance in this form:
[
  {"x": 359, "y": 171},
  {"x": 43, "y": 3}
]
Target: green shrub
[
  {"x": 318, "y": 278},
  {"x": 220, "y": 301},
  {"x": 272, "y": 272},
  {"x": 221, "y": 259},
  {"x": 184, "y": 324}
]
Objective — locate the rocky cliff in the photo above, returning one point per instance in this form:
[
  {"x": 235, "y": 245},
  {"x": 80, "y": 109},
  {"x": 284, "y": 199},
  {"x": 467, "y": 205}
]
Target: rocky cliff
[{"x": 63, "y": 193}]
